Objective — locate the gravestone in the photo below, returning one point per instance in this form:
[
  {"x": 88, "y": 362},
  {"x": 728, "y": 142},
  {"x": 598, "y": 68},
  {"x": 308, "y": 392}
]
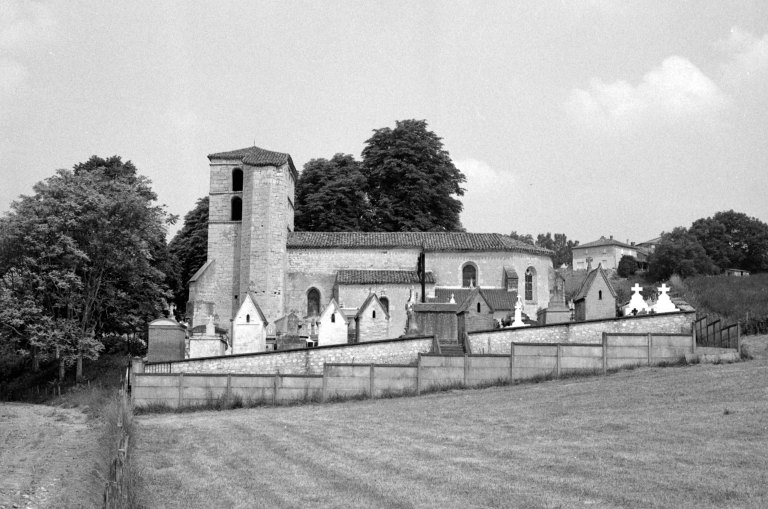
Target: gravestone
[
  {"x": 636, "y": 303},
  {"x": 664, "y": 304}
]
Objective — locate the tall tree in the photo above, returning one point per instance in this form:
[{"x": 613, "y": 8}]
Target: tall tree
[
  {"x": 524, "y": 238},
  {"x": 412, "y": 182},
  {"x": 189, "y": 251},
  {"x": 330, "y": 196},
  {"x": 89, "y": 251},
  {"x": 560, "y": 244},
  {"x": 679, "y": 252},
  {"x": 734, "y": 240}
]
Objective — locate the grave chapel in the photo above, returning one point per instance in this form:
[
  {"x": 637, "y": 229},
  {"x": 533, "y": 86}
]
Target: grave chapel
[{"x": 259, "y": 270}]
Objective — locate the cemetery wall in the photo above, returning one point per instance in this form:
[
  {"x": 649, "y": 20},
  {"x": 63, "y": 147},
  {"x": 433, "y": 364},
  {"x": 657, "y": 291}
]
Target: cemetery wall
[
  {"x": 498, "y": 341},
  {"x": 305, "y": 361},
  {"x": 431, "y": 372}
]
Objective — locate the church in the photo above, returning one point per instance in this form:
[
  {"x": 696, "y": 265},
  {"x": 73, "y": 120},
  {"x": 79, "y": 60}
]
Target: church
[{"x": 261, "y": 274}]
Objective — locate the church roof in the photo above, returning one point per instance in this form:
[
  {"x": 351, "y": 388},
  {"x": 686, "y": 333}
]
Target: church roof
[
  {"x": 256, "y": 156},
  {"x": 430, "y": 241},
  {"x": 367, "y": 277},
  {"x": 498, "y": 299}
]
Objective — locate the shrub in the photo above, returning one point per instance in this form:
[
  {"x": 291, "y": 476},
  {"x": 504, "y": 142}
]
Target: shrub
[{"x": 627, "y": 266}]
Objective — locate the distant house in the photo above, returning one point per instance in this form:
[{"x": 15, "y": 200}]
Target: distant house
[
  {"x": 596, "y": 299},
  {"x": 736, "y": 272},
  {"x": 605, "y": 252}
]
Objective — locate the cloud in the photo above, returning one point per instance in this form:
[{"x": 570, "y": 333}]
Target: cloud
[
  {"x": 747, "y": 56},
  {"x": 488, "y": 196},
  {"x": 23, "y": 22},
  {"x": 674, "y": 90},
  {"x": 12, "y": 75}
]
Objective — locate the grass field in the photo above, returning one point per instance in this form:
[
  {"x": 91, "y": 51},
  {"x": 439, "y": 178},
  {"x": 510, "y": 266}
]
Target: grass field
[{"x": 693, "y": 436}]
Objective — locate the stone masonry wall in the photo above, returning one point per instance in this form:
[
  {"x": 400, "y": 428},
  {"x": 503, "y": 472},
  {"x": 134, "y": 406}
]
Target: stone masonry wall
[
  {"x": 498, "y": 341},
  {"x": 490, "y": 272},
  {"x": 308, "y": 361}
]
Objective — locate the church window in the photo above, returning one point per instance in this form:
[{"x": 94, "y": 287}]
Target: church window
[
  {"x": 469, "y": 275},
  {"x": 247, "y": 318},
  {"x": 237, "y": 179},
  {"x": 374, "y": 314},
  {"x": 530, "y": 283},
  {"x": 313, "y": 302},
  {"x": 384, "y": 303},
  {"x": 599, "y": 295},
  {"x": 333, "y": 317},
  {"x": 478, "y": 307},
  {"x": 237, "y": 209}
]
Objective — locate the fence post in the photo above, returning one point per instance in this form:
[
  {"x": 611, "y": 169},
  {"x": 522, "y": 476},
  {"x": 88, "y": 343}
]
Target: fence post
[
  {"x": 557, "y": 360},
  {"x": 229, "y": 388},
  {"x": 693, "y": 338},
  {"x": 511, "y": 362},
  {"x": 181, "y": 389},
  {"x": 274, "y": 388},
  {"x": 466, "y": 370},
  {"x": 650, "y": 349},
  {"x": 324, "y": 396},
  {"x": 371, "y": 380},
  {"x": 605, "y": 353},
  {"x": 738, "y": 338},
  {"x": 418, "y": 376}
]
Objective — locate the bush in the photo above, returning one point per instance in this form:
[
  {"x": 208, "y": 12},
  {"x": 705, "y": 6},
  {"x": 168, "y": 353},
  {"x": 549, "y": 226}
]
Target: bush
[{"x": 627, "y": 266}]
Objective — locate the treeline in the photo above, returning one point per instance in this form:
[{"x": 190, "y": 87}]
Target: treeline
[
  {"x": 727, "y": 240},
  {"x": 82, "y": 258}
]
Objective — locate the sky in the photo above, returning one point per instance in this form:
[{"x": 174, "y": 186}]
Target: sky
[{"x": 582, "y": 117}]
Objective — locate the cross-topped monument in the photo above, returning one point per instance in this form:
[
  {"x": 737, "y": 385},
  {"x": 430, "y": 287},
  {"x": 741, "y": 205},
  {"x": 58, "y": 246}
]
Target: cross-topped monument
[{"x": 664, "y": 304}]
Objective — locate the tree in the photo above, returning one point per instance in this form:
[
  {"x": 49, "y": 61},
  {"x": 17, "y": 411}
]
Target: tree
[
  {"x": 411, "y": 180},
  {"x": 330, "y": 196},
  {"x": 679, "y": 252},
  {"x": 189, "y": 251},
  {"x": 734, "y": 240},
  {"x": 527, "y": 238},
  {"x": 562, "y": 247},
  {"x": 86, "y": 258},
  {"x": 627, "y": 266}
]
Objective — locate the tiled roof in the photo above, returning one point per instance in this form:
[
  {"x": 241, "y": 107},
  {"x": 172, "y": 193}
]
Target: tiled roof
[
  {"x": 393, "y": 277},
  {"x": 510, "y": 272},
  {"x": 498, "y": 299},
  {"x": 431, "y": 241},
  {"x": 587, "y": 284},
  {"x": 435, "y": 307},
  {"x": 256, "y": 156},
  {"x": 602, "y": 241}
]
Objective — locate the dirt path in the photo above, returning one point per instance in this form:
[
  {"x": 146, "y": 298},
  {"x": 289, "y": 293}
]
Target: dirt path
[{"x": 46, "y": 457}]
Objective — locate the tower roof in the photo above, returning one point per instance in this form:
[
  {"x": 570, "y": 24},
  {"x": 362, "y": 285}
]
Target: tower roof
[{"x": 257, "y": 156}]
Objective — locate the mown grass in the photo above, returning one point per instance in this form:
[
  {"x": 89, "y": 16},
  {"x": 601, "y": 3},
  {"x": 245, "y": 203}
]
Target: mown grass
[{"x": 648, "y": 437}]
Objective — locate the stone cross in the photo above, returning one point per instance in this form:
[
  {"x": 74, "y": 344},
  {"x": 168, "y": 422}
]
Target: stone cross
[
  {"x": 637, "y": 288},
  {"x": 663, "y": 289}
]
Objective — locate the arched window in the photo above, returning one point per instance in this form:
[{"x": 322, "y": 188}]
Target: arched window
[
  {"x": 530, "y": 284},
  {"x": 374, "y": 314},
  {"x": 247, "y": 318},
  {"x": 333, "y": 317},
  {"x": 313, "y": 302},
  {"x": 478, "y": 307},
  {"x": 237, "y": 179},
  {"x": 237, "y": 209},
  {"x": 599, "y": 295},
  {"x": 385, "y": 303},
  {"x": 469, "y": 275}
]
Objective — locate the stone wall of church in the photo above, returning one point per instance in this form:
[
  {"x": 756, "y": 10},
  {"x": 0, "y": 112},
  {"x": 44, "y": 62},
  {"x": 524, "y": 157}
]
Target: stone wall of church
[
  {"x": 219, "y": 283},
  {"x": 266, "y": 221},
  {"x": 447, "y": 268},
  {"x": 317, "y": 268}
]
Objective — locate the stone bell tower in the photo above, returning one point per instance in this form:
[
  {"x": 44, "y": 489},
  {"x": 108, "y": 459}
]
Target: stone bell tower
[{"x": 250, "y": 215}]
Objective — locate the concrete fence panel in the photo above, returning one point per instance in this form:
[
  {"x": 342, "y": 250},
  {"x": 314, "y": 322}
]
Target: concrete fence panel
[
  {"x": 437, "y": 371},
  {"x": 395, "y": 379}
]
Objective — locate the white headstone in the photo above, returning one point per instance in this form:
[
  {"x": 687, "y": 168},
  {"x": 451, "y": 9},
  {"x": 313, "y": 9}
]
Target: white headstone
[
  {"x": 519, "y": 314},
  {"x": 664, "y": 304},
  {"x": 636, "y": 303}
]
